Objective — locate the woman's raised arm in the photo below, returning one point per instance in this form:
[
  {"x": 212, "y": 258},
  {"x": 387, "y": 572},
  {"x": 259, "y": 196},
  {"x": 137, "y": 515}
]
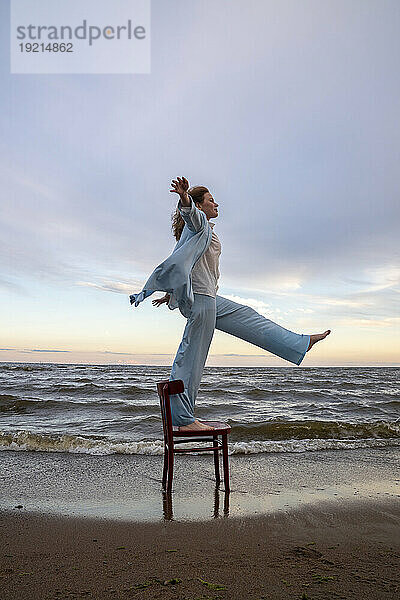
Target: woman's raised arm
[{"x": 193, "y": 217}]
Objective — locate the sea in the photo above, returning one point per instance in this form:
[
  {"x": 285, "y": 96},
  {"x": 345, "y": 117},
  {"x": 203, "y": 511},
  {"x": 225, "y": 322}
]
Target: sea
[{"x": 114, "y": 409}]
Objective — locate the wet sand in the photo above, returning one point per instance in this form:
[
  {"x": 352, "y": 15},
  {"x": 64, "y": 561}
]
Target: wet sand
[
  {"x": 327, "y": 550},
  {"x": 314, "y": 525}
]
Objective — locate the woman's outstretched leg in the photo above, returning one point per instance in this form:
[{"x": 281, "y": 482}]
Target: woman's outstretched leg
[
  {"x": 247, "y": 324},
  {"x": 190, "y": 359}
]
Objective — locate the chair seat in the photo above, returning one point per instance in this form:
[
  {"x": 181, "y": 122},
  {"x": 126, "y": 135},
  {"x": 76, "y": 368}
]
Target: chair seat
[{"x": 220, "y": 427}]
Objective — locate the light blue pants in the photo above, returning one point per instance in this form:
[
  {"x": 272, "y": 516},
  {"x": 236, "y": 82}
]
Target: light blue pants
[{"x": 208, "y": 314}]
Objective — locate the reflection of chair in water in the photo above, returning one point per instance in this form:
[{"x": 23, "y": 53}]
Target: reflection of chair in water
[
  {"x": 165, "y": 389},
  {"x": 168, "y": 508}
]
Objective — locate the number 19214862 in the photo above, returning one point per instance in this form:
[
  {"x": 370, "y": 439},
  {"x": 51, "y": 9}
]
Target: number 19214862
[{"x": 50, "y": 47}]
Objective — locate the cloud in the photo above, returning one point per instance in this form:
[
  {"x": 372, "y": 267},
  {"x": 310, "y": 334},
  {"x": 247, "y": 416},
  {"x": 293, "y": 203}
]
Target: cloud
[
  {"x": 121, "y": 353},
  {"x": 348, "y": 302},
  {"x": 29, "y": 350},
  {"x": 243, "y": 355},
  {"x": 118, "y": 287},
  {"x": 371, "y": 322},
  {"x": 11, "y": 285},
  {"x": 260, "y": 306},
  {"x": 382, "y": 277},
  {"x": 137, "y": 353},
  {"x": 33, "y": 350}
]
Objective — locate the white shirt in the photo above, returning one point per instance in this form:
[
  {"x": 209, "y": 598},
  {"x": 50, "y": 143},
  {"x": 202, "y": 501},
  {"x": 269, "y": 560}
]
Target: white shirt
[{"x": 205, "y": 273}]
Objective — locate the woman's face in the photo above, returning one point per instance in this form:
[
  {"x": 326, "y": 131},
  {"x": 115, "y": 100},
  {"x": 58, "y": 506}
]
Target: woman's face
[{"x": 208, "y": 206}]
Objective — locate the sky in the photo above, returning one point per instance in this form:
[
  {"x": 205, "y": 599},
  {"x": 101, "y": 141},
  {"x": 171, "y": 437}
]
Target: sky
[{"x": 288, "y": 111}]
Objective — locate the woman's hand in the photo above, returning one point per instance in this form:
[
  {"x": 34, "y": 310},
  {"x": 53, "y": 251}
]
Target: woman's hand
[
  {"x": 160, "y": 301},
  {"x": 180, "y": 186}
]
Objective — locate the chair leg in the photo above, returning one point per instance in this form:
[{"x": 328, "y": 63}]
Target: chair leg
[
  {"x": 170, "y": 469},
  {"x": 165, "y": 469},
  {"x": 216, "y": 459},
  {"x": 225, "y": 460}
]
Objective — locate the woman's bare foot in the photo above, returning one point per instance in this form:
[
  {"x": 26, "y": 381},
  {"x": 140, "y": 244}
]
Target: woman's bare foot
[
  {"x": 316, "y": 337},
  {"x": 195, "y": 426}
]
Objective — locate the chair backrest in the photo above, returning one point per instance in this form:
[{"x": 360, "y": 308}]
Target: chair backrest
[{"x": 165, "y": 389}]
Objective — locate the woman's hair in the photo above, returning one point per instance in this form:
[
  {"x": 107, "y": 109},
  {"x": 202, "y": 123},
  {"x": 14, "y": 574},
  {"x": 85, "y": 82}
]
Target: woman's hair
[{"x": 196, "y": 193}]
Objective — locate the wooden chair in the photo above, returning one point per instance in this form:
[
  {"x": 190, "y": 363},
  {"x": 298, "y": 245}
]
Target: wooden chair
[{"x": 165, "y": 389}]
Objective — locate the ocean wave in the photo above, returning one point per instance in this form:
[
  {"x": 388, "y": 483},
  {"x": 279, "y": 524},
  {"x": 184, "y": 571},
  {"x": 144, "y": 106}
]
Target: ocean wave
[
  {"x": 86, "y": 388},
  {"x": 6, "y": 398},
  {"x": 14, "y": 404},
  {"x": 296, "y": 446},
  {"x": 132, "y": 390},
  {"x": 9, "y": 403},
  {"x": 25, "y": 367},
  {"x": 288, "y": 393},
  {"x": 74, "y": 444},
  {"x": 301, "y": 430},
  {"x": 83, "y": 387}
]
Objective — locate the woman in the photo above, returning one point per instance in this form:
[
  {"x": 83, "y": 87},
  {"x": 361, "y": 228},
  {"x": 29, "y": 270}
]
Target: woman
[{"x": 190, "y": 278}]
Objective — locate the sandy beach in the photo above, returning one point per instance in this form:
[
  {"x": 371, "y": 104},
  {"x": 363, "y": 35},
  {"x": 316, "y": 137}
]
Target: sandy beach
[
  {"x": 305, "y": 526},
  {"x": 325, "y": 551}
]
